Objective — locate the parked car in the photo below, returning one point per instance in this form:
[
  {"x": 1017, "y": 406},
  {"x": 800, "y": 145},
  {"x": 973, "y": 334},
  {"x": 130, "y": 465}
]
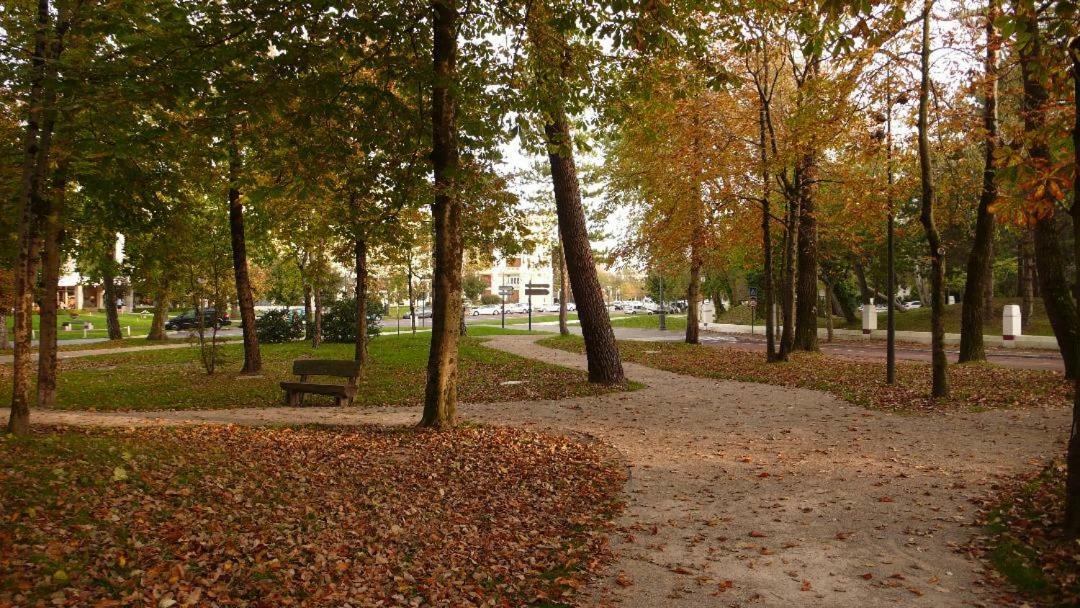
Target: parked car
[
  {"x": 912, "y": 305},
  {"x": 571, "y": 307},
  {"x": 486, "y": 310},
  {"x": 517, "y": 308},
  {"x": 189, "y": 320},
  {"x": 638, "y": 309}
]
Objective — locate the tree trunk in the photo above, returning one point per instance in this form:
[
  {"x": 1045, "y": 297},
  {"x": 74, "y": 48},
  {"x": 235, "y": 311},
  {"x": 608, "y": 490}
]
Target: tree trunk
[
  {"x": 35, "y": 156},
  {"x": 252, "y": 355},
  {"x": 1028, "y": 276},
  {"x": 940, "y": 386},
  {"x": 806, "y": 299},
  {"x": 161, "y": 311},
  {"x": 766, "y": 237},
  {"x": 829, "y": 304},
  {"x": 1072, "y": 482},
  {"x": 309, "y": 312},
  {"x": 412, "y": 300},
  {"x": 844, "y": 303},
  {"x": 5, "y": 342},
  {"x": 440, "y": 397},
  {"x": 693, "y": 294},
  {"x": 52, "y": 232},
  {"x": 605, "y": 365},
  {"x": 787, "y": 296},
  {"x": 1050, "y": 261},
  {"x": 980, "y": 262},
  {"x": 361, "y": 353},
  {"x": 112, "y": 319},
  {"x": 560, "y": 260},
  {"x": 864, "y": 288},
  {"x": 316, "y": 329}
]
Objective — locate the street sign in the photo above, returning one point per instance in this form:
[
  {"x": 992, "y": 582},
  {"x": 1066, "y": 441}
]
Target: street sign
[
  {"x": 753, "y": 302},
  {"x": 753, "y": 293},
  {"x": 537, "y": 285},
  {"x": 537, "y": 292},
  {"x": 506, "y": 290}
]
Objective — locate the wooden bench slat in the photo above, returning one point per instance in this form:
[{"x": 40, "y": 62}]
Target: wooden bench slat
[{"x": 318, "y": 389}]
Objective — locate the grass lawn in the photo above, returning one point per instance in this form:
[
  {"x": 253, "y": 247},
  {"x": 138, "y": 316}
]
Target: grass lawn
[
  {"x": 1024, "y": 542},
  {"x": 919, "y": 319},
  {"x": 524, "y": 320},
  {"x": 673, "y": 322},
  {"x": 139, "y": 323},
  {"x": 175, "y": 379},
  {"x": 313, "y": 516},
  {"x": 973, "y": 386}
]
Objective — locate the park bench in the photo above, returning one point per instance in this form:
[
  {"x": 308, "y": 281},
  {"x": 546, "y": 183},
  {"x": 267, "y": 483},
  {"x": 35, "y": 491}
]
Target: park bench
[{"x": 305, "y": 368}]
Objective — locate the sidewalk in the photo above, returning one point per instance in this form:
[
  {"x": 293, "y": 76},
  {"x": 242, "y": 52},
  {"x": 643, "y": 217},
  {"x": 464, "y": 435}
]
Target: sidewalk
[{"x": 917, "y": 337}]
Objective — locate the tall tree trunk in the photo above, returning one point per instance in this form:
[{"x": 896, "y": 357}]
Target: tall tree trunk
[
  {"x": 412, "y": 300},
  {"x": 693, "y": 295},
  {"x": 112, "y": 318},
  {"x": 830, "y": 303},
  {"x": 52, "y": 232},
  {"x": 806, "y": 299},
  {"x": 940, "y": 386},
  {"x": 844, "y": 304},
  {"x": 309, "y": 311},
  {"x": 360, "y": 250},
  {"x": 865, "y": 293},
  {"x": 1050, "y": 260},
  {"x": 980, "y": 262},
  {"x": 36, "y": 144},
  {"x": 1072, "y": 482},
  {"x": 766, "y": 236},
  {"x": 988, "y": 286},
  {"x": 316, "y": 328},
  {"x": 560, "y": 263},
  {"x": 1028, "y": 276},
  {"x": 605, "y": 365},
  {"x": 440, "y": 397},
  {"x": 161, "y": 311},
  {"x": 787, "y": 296},
  {"x": 5, "y": 341},
  {"x": 252, "y": 355}
]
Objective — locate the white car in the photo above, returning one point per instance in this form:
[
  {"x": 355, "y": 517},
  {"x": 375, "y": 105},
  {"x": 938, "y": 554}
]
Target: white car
[
  {"x": 485, "y": 310},
  {"x": 912, "y": 305},
  {"x": 553, "y": 307},
  {"x": 571, "y": 307}
]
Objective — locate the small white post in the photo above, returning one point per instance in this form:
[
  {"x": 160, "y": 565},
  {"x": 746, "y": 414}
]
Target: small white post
[
  {"x": 1010, "y": 325},
  {"x": 33, "y": 334},
  {"x": 869, "y": 318},
  {"x": 84, "y": 330},
  {"x": 129, "y": 331}
]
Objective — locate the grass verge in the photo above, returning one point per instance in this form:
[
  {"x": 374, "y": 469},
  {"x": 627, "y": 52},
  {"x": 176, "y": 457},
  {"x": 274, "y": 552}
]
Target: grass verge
[
  {"x": 174, "y": 378},
  {"x": 224, "y": 515},
  {"x": 972, "y": 386},
  {"x": 1024, "y": 543}
]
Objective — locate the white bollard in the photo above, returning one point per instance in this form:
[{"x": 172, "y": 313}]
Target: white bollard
[
  {"x": 129, "y": 331},
  {"x": 869, "y": 319},
  {"x": 1010, "y": 325}
]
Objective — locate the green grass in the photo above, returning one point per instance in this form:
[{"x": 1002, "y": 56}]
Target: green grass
[
  {"x": 139, "y": 323},
  {"x": 175, "y": 378},
  {"x": 639, "y": 321},
  {"x": 919, "y": 319}
]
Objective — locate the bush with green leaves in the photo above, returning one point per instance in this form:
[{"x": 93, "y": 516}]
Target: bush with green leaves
[
  {"x": 489, "y": 299},
  {"x": 339, "y": 320},
  {"x": 280, "y": 325}
]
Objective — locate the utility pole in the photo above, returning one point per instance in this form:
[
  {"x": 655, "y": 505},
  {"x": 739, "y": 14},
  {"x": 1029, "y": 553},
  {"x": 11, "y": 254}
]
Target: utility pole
[{"x": 663, "y": 312}]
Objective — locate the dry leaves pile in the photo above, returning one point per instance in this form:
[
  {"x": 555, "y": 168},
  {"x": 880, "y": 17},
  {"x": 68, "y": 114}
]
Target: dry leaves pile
[
  {"x": 858, "y": 382},
  {"x": 236, "y": 516},
  {"x": 1035, "y": 563}
]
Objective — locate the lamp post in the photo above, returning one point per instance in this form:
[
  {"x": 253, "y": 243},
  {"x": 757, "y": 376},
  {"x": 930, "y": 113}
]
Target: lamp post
[{"x": 890, "y": 324}]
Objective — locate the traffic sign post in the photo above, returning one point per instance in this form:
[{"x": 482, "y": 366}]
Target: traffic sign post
[
  {"x": 535, "y": 289},
  {"x": 504, "y": 290},
  {"x": 753, "y": 309}
]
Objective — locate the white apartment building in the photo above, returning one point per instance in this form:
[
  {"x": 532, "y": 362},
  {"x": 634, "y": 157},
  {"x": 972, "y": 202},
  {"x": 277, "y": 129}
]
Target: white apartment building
[{"x": 519, "y": 270}]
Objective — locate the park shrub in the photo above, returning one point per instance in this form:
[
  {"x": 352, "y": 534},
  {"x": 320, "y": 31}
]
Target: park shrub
[
  {"x": 490, "y": 299},
  {"x": 339, "y": 320},
  {"x": 278, "y": 326}
]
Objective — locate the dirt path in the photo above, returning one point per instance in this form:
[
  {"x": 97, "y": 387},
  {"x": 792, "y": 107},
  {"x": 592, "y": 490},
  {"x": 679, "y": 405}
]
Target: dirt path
[{"x": 752, "y": 495}]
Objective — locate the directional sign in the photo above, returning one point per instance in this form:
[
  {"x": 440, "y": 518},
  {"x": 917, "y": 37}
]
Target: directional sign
[
  {"x": 753, "y": 293},
  {"x": 506, "y": 290},
  {"x": 537, "y": 285},
  {"x": 537, "y": 292}
]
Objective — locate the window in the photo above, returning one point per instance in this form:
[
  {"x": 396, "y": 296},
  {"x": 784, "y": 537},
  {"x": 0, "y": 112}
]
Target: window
[{"x": 515, "y": 280}]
